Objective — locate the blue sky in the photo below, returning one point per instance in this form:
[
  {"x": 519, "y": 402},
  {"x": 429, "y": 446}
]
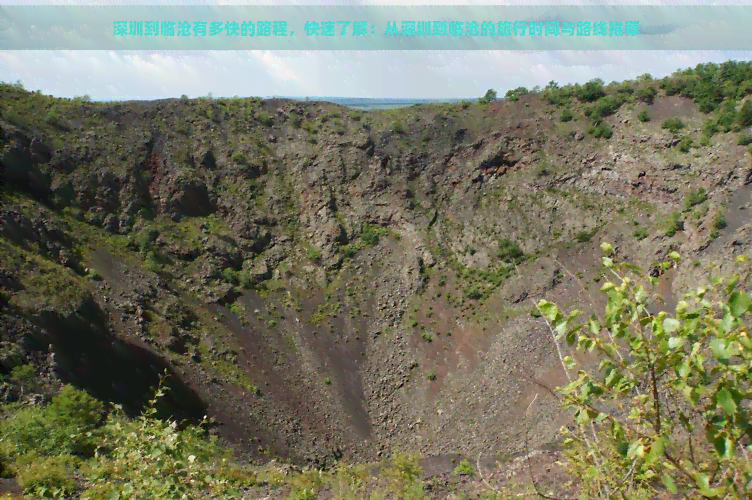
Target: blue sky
[{"x": 106, "y": 75}]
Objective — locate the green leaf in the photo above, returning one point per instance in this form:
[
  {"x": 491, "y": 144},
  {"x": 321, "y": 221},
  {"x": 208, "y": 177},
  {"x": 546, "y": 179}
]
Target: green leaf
[
  {"x": 640, "y": 295},
  {"x": 670, "y": 325},
  {"x": 548, "y": 309},
  {"x": 728, "y": 322},
  {"x": 636, "y": 449},
  {"x": 703, "y": 483},
  {"x": 674, "y": 256},
  {"x": 571, "y": 338},
  {"x": 720, "y": 350},
  {"x": 595, "y": 325},
  {"x": 725, "y": 401},
  {"x": 670, "y": 484},
  {"x": 739, "y": 303},
  {"x": 675, "y": 342},
  {"x": 656, "y": 450},
  {"x": 608, "y": 262},
  {"x": 607, "y": 286},
  {"x": 569, "y": 363},
  {"x": 607, "y": 248}
]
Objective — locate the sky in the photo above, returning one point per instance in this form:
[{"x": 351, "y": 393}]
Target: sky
[{"x": 124, "y": 75}]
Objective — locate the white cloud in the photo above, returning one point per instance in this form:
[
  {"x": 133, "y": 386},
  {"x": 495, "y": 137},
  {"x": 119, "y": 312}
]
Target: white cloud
[
  {"x": 149, "y": 75},
  {"x": 154, "y": 74}
]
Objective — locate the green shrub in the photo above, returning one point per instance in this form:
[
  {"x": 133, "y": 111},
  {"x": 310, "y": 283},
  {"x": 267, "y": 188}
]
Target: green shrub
[
  {"x": 515, "y": 94},
  {"x": 695, "y": 197},
  {"x": 404, "y": 467},
  {"x": 314, "y": 254},
  {"x": 567, "y": 115},
  {"x": 93, "y": 274},
  {"x": 371, "y": 234},
  {"x": 302, "y": 494},
  {"x": 584, "y": 236},
  {"x": 310, "y": 127},
  {"x": 719, "y": 222},
  {"x": 643, "y": 116},
  {"x": 23, "y": 373},
  {"x": 473, "y": 293},
  {"x": 159, "y": 459},
  {"x": 154, "y": 261},
  {"x": 510, "y": 251},
  {"x": 668, "y": 411},
  {"x": 744, "y": 139},
  {"x": 710, "y": 127},
  {"x": 728, "y": 116},
  {"x": 640, "y": 233},
  {"x": 464, "y": 468},
  {"x": 144, "y": 240},
  {"x": 675, "y": 224},
  {"x": 230, "y": 275},
  {"x": 53, "y": 118},
  {"x": 264, "y": 118},
  {"x": 685, "y": 144},
  {"x": 600, "y": 130},
  {"x": 555, "y": 96},
  {"x": 673, "y": 125},
  {"x": 606, "y": 106},
  {"x": 591, "y": 91},
  {"x": 744, "y": 119},
  {"x": 646, "y": 94},
  {"x": 47, "y": 477},
  {"x": 239, "y": 157},
  {"x": 673, "y": 85},
  {"x": 65, "y": 426},
  {"x": 490, "y": 96}
]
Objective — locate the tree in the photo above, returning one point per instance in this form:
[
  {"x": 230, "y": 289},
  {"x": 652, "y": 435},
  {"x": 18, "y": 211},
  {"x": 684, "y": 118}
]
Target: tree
[
  {"x": 491, "y": 95},
  {"x": 515, "y": 94},
  {"x": 592, "y": 90},
  {"x": 552, "y": 85},
  {"x": 647, "y": 94},
  {"x": 666, "y": 407},
  {"x": 744, "y": 118}
]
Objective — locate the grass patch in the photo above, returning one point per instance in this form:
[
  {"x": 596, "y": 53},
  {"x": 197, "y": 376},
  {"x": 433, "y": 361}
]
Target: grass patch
[
  {"x": 45, "y": 283},
  {"x": 640, "y": 233},
  {"x": 674, "y": 225},
  {"x": 510, "y": 251},
  {"x": 370, "y": 236},
  {"x": 464, "y": 468},
  {"x": 695, "y": 197},
  {"x": 585, "y": 236},
  {"x": 673, "y": 125}
]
